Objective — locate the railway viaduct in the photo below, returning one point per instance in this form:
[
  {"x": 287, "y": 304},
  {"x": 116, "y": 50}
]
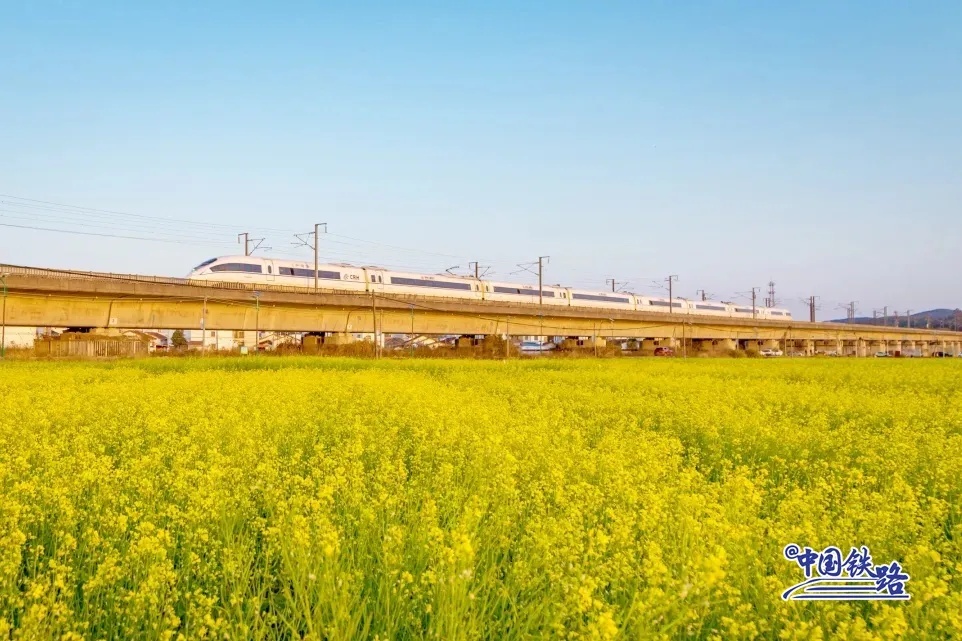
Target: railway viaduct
[{"x": 36, "y": 297}]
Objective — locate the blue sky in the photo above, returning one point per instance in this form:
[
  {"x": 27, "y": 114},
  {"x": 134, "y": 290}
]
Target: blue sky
[{"x": 816, "y": 145}]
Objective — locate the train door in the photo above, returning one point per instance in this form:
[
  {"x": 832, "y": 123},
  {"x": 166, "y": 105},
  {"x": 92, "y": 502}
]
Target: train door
[
  {"x": 269, "y": 270},
  {"x": 375, "y": 279}
]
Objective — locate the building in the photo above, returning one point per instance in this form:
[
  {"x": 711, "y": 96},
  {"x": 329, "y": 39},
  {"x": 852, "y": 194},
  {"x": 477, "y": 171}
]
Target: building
[
  {"x": 19, "y": 337},
  {"x": 221, "y": 339},
  {"x": 155, "y": 340}
]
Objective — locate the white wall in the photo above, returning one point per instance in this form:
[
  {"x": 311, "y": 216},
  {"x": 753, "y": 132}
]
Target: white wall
[{"x": 19, "y": 336}]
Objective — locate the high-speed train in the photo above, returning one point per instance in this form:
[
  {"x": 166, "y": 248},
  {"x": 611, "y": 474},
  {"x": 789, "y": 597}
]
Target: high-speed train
[{"x": 352, "y": 278}]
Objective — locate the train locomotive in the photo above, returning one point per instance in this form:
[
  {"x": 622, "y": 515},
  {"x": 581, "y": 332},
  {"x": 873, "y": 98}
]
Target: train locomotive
[{"x": 367, "y": 279}]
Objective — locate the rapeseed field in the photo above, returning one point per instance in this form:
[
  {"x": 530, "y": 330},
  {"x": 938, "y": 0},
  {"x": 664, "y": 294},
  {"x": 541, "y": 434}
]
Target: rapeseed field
[{"x": 272, "y": 498}]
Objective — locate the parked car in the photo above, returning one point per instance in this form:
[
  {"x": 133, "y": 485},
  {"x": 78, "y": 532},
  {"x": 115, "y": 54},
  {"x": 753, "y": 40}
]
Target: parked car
[
  {"x": 535, "y": 347},
  {"x": 881, "y": 354},
  {"x": 664, "y": 351},
  {"x": 768, "y": 351}
]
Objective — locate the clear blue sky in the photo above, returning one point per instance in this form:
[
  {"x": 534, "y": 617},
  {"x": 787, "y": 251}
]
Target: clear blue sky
[{"x": 818, "y": 145}]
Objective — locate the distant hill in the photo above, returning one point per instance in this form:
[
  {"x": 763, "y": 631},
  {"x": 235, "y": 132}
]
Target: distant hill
[{"x": 933, "y": 319}]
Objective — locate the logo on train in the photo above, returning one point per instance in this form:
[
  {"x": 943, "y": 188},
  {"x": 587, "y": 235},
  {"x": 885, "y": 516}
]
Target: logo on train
[{"x": 829, "y": 577}]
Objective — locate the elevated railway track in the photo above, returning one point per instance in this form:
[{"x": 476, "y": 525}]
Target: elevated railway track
[{"x": 37, "y": 297}]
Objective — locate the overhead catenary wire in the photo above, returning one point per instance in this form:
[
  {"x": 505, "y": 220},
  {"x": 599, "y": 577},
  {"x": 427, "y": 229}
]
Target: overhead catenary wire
[{"x": 48, "y": 216}]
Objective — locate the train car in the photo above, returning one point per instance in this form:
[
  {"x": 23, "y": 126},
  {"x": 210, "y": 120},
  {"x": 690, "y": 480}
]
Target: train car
[
  {"x": 711, "y": 308},
  {"x": 438, "y": 285},
  {"x": 605, "y": 300},
  {"x": 743, "y": 311},
  {"x": 777, "y": 313},
  {"x": 265, "y": 271},
  {"x": 526, "y": 294},
  {"x": 661, "y": 305}
]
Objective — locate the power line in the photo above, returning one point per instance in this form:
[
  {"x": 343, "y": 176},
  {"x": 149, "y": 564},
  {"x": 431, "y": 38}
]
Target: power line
[
  {"x": 90, "y": 233},
  {"x": 26, "y": 202}
]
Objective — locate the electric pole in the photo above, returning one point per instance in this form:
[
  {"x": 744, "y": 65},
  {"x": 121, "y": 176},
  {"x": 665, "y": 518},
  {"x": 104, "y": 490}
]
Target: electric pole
[
  {"x": 754, "y": 298},
  {"x": 811, "y": 308},
  {"x": 476, "y": 268},
  {"x": 614, "y": 283},
  {"x": 3, "y": 322},
  {"x": 314, "y": 244},
  {"x": 770, "y": 301},
  {"x": 246, "y": 240},
  {"x": 885, "y": 316},
  {"x": 671, "y": 279},
  {"x": 703, "y": 294},
  {"x": 908, "y": 318},
  {"x": 895, "y": 313},
  {"x": 542, "y": 260}
]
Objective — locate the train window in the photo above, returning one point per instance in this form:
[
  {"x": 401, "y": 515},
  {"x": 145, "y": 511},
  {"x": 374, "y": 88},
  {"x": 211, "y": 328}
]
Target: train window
[
  {"x": 270, "y": 269},
  {"x": 599, "y": 297},
  {"x": 206, "y": 263},
  {"x": 420, "y": 282},
  {"x": 522, "y": 292},
  {"x": 237, "y": 267}
]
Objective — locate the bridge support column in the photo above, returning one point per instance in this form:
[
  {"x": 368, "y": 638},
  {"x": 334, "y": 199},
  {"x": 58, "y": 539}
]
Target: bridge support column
[
  {"x": 724, "y": 345},
  {"x": 808, "y": 347},
  {"x": 338, "y": 338},
  {"x": 860, "y": 348},
  {"x": 702, "y": 345}
]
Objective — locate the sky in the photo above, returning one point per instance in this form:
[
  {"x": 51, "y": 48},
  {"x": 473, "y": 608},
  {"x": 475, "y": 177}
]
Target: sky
[{"x": 817, "y": 145}]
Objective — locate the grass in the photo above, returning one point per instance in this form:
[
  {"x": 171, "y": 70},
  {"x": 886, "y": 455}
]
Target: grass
[{"x": 340, "y": 498}]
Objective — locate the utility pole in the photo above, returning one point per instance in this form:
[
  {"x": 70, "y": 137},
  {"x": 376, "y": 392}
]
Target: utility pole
[
  {"x": 614, "y": 283},
  {"x": 246, "y": 240},
  {"x": 770, "y": 301},
  {"x": 257, "y": 320},
  {"x": 885, "y": 316},
  {"x": 671, "y": 279},
  {"x": 908, "y": 318},
  {"x": 754, "y": 298},
  {"x": 541, "y": 263},
  {"x": 851, "y": 310},
  {"x": 3, "y": 321},
  {"x": 477, "y": 267},
  {"x": 317, "y": 245},
  {"x": 542, "y": 260},
  {"x": 895, "y": 313},
  {"x": 703, "y": 294},
  {"x": 313, "y": 244},
  {"x": 374, "y": 321},
  {"x": 811, "y": 308}
]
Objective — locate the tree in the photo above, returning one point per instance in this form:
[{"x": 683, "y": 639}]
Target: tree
[{"x": 178, "y": 340}]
